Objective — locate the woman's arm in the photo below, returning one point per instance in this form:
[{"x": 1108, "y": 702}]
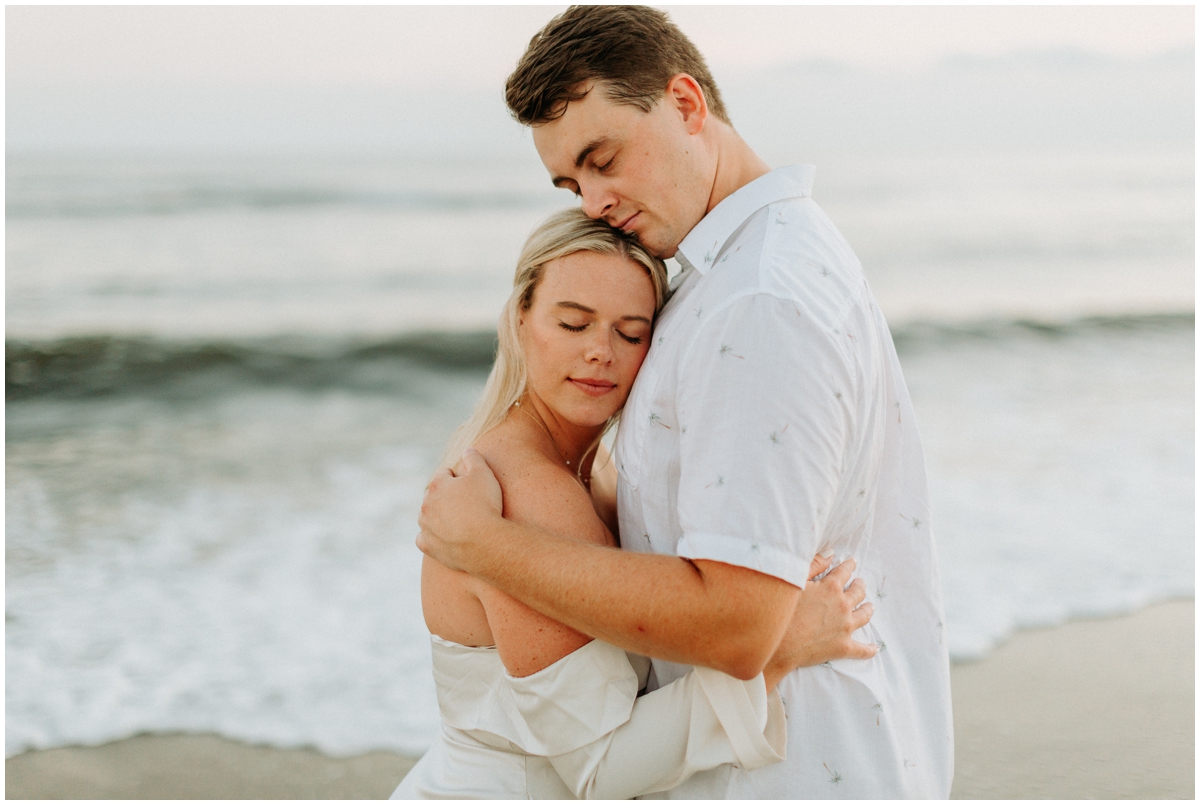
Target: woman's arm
[{"x": 540, "y": 494}]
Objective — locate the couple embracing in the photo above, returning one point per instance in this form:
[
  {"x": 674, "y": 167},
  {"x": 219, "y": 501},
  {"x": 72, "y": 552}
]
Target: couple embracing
[{"x": 760, "y": 531}]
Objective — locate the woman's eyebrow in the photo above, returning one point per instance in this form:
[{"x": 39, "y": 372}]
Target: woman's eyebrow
[{"x": 586, "y": 309}]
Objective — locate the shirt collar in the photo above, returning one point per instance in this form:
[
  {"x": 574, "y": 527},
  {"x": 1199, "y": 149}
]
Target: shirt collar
[{"x": 701, "y": 246}]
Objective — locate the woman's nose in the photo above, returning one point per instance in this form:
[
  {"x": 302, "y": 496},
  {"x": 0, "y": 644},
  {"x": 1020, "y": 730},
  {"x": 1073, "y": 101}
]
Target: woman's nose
[{"x": 600, "y": 349}]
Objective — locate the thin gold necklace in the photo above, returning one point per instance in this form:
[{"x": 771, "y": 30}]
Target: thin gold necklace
[{"x": 550, "y": 436}]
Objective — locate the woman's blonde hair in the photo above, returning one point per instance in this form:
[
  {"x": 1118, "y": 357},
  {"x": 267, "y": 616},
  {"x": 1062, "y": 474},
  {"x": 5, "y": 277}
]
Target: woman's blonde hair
[{"x": 561, "y": 234}]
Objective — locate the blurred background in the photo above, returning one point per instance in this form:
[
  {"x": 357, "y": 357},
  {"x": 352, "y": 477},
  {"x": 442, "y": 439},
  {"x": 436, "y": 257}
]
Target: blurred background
[{"x": 255, "y": 256}]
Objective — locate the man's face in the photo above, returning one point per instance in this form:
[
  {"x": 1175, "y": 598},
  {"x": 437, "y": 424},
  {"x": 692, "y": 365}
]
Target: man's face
[{"x": 643, "y": 172}]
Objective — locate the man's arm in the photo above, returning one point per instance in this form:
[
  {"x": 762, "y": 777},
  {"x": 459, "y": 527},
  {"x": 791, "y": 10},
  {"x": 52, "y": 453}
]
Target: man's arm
[{"x": 696, "y": 612}]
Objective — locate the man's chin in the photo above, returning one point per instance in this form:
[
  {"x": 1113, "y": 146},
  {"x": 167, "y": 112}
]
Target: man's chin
[
  {"x": 655, "y": 247},
  {"x": 665, "y": 254}
]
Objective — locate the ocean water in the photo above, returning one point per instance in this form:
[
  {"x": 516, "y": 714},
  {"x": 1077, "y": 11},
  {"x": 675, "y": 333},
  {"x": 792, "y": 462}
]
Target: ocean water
[{"x": 227, "y": 381}]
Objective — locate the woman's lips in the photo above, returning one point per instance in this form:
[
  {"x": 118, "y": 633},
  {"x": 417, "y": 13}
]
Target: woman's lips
[{"x": 594, "y": 388}]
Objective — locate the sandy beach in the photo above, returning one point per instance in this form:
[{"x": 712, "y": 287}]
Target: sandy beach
[{"x": 1092, "y": 709}]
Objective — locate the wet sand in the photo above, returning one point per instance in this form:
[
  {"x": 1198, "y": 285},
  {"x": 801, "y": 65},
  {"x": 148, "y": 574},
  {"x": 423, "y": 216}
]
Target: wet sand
[
  {"x": 1102, "y": 709},
  {"x": 1093, "y": 709}
]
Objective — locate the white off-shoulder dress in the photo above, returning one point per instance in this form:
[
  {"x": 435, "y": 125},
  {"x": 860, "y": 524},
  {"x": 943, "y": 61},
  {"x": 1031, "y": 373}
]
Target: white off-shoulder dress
[{"x": 578, "y": 729}]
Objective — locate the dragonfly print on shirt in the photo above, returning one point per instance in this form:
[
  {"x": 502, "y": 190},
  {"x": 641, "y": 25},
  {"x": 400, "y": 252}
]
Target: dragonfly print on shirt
[{"x": 728, "y": 350}]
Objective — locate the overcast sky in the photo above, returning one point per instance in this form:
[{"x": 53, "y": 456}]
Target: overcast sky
[
  {"x": 477, "y": 46},
  {"x": 424, "y": 79}
]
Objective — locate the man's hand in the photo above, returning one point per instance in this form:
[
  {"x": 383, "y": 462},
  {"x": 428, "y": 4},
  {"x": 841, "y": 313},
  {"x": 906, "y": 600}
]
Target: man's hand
[
  {"x": 457, "y": 504},
  {"x": 824, "y": 618}
]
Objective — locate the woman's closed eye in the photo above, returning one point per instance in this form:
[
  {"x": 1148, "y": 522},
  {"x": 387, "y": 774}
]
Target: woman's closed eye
[{"x": 579, "y": 328}]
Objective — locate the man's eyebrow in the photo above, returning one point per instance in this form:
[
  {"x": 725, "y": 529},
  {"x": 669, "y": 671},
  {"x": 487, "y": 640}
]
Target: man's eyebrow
[
  {"x": 586, "y": 309},
  {"x": 588, "y": 149},
  {"x": 557, "y": 181}
]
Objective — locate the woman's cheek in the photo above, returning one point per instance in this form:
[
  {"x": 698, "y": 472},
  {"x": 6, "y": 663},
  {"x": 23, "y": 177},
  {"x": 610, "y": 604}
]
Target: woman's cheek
[{"x": 641, "y": 350}]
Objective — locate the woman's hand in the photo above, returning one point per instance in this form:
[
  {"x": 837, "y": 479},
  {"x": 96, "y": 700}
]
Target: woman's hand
[{"x": 826, "y": 614}]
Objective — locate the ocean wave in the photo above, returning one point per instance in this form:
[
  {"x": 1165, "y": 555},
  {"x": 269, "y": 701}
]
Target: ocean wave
[
  {"x": 919, "y": 332},
  {"x": 108, "y": 364}
]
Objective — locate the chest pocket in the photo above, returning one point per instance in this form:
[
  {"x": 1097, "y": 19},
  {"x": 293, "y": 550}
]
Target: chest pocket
[{"x": 635, "y": 423}]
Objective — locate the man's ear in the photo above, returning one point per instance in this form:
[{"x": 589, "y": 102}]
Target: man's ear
[{"x": 687, "y": 96}]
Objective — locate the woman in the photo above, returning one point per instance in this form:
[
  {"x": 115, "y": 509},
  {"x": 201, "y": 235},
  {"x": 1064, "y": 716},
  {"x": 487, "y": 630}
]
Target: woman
[{"x": 530, "y": 707}]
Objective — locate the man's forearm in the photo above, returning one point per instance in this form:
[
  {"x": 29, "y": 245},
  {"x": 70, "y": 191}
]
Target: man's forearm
[{"x": 661, "y": 606}]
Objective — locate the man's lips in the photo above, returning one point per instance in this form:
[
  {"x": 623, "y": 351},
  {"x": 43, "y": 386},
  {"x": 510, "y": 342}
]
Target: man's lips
[
  {"x": 595, "y": 388},
  {"x": 624, "y": 226}
]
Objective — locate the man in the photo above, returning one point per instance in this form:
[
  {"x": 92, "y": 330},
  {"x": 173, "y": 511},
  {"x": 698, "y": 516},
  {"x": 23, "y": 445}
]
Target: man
[{"x": 769, "y": 423}]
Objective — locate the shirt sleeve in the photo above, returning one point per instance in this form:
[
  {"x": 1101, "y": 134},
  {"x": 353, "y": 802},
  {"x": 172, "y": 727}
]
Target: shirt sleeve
[{"x": 764, "y": 416}]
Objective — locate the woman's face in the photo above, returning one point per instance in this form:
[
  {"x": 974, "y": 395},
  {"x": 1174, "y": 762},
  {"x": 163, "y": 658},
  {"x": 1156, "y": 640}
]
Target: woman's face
[{"x": 586, "y": 333}]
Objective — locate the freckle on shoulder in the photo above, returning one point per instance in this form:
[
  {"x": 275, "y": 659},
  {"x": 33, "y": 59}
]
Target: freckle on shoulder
[{"x": 506, "y": 448}]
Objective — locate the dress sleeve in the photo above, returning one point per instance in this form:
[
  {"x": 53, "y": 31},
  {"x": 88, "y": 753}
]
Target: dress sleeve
[{"x": 698, "y": 722}]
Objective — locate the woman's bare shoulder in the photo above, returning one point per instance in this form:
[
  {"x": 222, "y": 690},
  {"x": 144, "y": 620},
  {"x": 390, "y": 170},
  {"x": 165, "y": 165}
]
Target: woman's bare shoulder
[{"x": 537, "y": 490}]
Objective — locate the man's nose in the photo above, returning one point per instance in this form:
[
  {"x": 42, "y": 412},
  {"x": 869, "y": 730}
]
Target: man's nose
[{"x": 596, "y": 202}]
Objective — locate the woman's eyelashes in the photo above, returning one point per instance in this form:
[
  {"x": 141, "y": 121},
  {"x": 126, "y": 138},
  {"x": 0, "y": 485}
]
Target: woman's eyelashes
[{"x": 632, "y": 339}]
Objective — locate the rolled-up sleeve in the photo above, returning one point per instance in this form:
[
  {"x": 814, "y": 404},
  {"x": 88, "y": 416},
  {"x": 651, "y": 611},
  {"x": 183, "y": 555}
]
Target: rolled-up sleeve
[{"x": 763, "y": 412}]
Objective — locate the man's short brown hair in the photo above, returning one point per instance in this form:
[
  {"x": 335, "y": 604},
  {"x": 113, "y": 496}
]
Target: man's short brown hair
[{"x": 633, "y": 50}]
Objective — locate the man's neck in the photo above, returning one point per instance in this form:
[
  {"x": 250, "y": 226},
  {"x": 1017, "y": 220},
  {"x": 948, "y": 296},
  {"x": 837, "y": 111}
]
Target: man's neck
[{"x": 737, "y": 165}]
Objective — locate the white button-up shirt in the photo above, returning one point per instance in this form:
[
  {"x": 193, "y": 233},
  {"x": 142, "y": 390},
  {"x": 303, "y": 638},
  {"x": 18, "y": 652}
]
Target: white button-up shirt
[{"x": 771, "y": 422}]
